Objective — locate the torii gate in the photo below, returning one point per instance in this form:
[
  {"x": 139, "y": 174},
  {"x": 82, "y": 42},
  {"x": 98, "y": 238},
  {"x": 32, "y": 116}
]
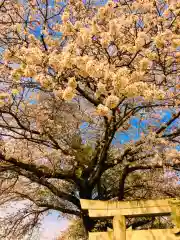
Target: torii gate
[{"x": 120, "y": 209}]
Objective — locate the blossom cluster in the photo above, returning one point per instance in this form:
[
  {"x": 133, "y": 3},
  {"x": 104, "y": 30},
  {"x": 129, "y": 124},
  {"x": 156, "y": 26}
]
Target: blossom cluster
[{"x": 120, "y": 51}]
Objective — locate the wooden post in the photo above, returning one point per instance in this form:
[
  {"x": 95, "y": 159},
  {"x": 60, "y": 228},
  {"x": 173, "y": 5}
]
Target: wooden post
[
  {"x": 119, "y": 228},
  {"x": 101, "y": 236}
]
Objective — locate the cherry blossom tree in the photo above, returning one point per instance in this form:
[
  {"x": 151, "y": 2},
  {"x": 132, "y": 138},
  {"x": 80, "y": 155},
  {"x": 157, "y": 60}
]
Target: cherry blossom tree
[{"x": 73, "y": 77}]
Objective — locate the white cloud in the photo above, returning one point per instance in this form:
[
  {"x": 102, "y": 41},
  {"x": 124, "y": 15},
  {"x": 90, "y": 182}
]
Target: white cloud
[{"x": 52, "y": 227}]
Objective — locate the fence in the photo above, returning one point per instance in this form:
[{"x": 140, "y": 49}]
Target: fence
[{"x": 120, "y": 209}]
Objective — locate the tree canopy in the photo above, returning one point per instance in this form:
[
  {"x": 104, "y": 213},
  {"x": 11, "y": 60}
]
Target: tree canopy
[{"x": 89, "y": 105}]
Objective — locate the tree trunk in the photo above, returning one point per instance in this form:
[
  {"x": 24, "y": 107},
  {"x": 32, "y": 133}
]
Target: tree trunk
[
  {"x": 88, "y": 223},
  {"x": 86, "y": 193}
]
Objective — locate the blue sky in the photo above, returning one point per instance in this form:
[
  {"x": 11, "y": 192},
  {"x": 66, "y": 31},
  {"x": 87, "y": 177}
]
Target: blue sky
[{"x": 138, "y": 126}]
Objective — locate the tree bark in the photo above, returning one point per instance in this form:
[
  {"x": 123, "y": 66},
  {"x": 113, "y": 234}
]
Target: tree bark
[{"x": 88, "y": 223}]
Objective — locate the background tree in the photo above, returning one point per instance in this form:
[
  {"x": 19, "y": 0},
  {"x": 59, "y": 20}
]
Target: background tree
[
  {"x": 75, "y": 231},
  {"x": 70, "y": 87}
]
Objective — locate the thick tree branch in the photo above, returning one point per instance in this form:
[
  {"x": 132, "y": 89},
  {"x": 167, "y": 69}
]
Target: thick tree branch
[
  {"x": 101, "y": 157},
  {"x": 39, "y": 171},
  {"x": 37, "y": 176},
  {"x": 49, "y": 206},
  {"x": 172, "y": 135},
  {"x": 87, "y": 96},
  {"x": 167, "y": 124}
]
